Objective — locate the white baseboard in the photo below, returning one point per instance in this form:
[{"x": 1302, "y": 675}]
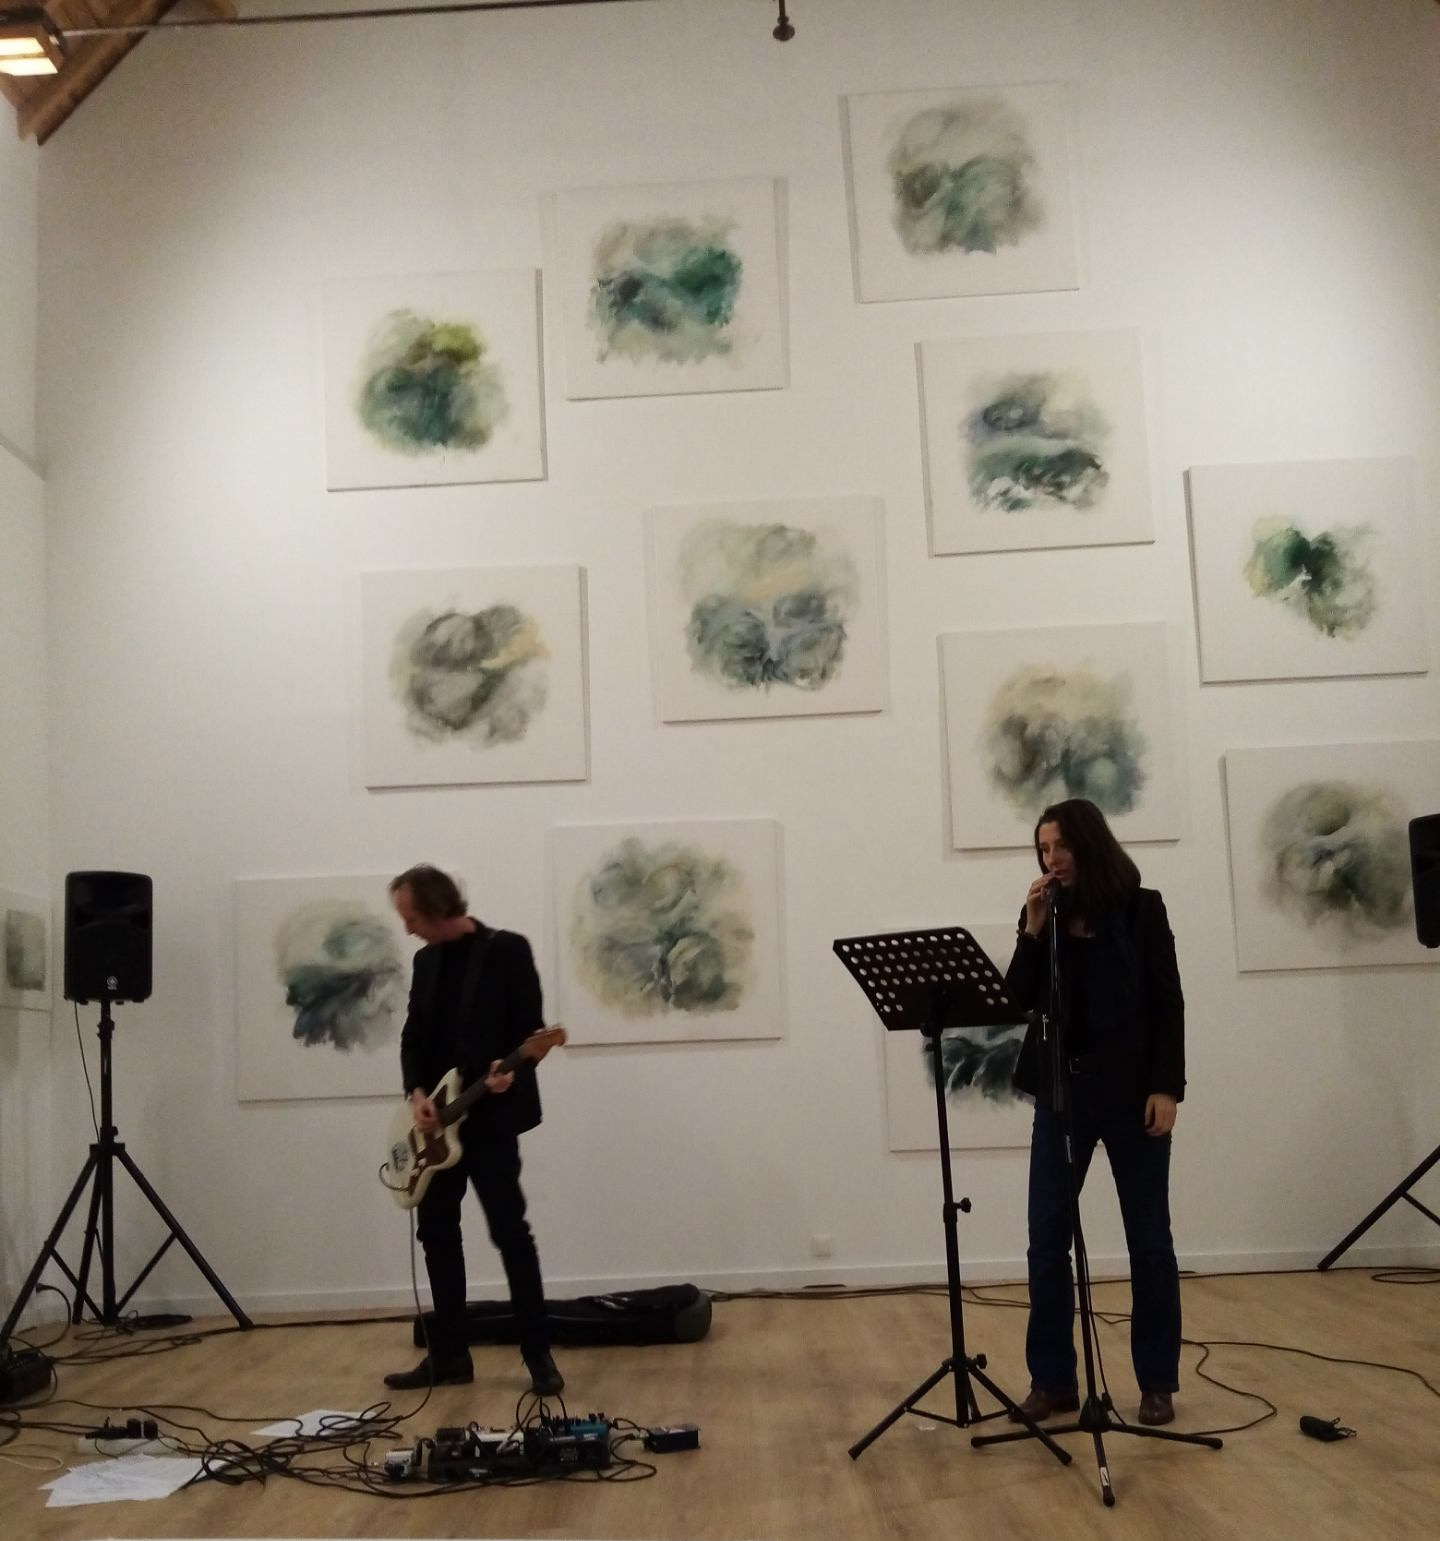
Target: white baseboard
[{"x": 857, "y": 1276}]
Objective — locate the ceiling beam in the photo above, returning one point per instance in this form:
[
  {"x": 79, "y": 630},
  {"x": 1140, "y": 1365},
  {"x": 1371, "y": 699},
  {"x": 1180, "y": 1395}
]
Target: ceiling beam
[{"x": 87, "y": 63}]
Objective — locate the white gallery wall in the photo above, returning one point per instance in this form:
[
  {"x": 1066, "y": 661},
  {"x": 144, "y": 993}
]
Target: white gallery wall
[
  {"x": 1258, "y": 198},
  {"x": 26, "y": 1138}
]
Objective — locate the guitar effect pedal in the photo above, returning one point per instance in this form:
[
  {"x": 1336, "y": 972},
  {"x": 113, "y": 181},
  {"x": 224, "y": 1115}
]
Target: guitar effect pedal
[{"x": 399, "y": 1465}]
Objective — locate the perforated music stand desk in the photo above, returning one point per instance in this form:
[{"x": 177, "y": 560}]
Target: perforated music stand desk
[{"x": 927, "y": 981}]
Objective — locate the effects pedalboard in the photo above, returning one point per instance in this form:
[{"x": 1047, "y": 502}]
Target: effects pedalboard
[{"x": 547, "y": 1445}]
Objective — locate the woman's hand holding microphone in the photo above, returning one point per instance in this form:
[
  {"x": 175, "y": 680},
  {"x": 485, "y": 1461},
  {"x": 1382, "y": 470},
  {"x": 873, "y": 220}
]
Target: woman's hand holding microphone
[{"x": 1037, "y": 904}]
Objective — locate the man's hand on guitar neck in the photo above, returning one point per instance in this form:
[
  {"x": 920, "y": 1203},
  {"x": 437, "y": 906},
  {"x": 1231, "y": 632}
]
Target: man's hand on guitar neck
[{"x": 498, "y": 1080}]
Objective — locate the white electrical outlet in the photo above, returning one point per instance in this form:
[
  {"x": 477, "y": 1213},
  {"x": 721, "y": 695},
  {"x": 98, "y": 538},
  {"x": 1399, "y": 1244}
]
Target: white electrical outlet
[{"x": 820, "y": 1244}]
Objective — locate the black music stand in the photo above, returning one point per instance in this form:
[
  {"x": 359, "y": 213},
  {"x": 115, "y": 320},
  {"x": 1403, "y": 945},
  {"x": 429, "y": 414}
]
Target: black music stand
[
  {"x": 926, "y": 981},
  {"x": 1096, "y": 1416}
]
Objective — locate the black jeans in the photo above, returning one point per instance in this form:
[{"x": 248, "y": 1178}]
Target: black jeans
[
  {"x": 493, "y": 1166},
  {"x": 1140, "y": 1163}
]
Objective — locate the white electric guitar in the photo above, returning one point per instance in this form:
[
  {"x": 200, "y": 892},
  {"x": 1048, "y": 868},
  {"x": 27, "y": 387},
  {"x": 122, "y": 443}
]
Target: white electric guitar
[{"x": 413, "y": 1155}]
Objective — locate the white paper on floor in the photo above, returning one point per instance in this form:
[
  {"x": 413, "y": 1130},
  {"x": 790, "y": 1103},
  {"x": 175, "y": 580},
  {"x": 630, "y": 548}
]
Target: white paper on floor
[
  {"x": 125, "y": 1476},
  {"x": 323, "y": 1420}
]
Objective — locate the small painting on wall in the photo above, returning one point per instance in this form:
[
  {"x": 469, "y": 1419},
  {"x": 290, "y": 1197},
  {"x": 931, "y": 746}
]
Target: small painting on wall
[
  {"x": 1320, "y": 852},
  {"x": 983, "y": 1110},
  {"x": 322, "y": 978},
  {"x": 671, "y": 289},
  {"x": 1034, "y": 717},
  {"x": 1035, "y": 441},
  {"x": 25, "y": 969},
  {"x": 475, "y": 675},
  {"x": 669, "y": 933},
  {"x": 433, "y": 379},
  {"x": 963, "y": 191},
  {"x": 1306, "y": 570},
  {"x": 768, "y": 609}
]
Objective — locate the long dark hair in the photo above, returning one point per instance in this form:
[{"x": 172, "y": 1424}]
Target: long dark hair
[{"x": 1105, "y": 877}]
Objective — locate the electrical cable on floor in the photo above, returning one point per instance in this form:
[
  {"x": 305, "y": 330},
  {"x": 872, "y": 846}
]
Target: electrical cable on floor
[
  {"x": 233, "y": 1461},
  {"x": 1407, "y": 1276},
  {"x": 972, "y": 1295}
]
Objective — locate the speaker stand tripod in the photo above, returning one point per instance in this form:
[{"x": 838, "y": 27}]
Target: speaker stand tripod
[
  {"x": 100, "y": 1225},
  {"x": 929, "y": 981},
  {"x": 1394, "y": 1196}
]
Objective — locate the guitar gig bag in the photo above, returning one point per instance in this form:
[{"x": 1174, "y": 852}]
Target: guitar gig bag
[{"x": 673, "y": 1313}]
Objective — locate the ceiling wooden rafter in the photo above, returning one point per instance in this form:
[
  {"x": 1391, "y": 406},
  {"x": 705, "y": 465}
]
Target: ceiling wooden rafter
[
  {"x": 43, "y": 102},
  {"x": 114, "y": 27}
]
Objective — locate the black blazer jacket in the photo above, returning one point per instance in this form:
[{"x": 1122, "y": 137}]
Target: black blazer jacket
[
  {"x": 500, "y": 1006},
  {"x": 1142, "y": 1049}
]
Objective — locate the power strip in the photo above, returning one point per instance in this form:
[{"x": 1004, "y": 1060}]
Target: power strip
[
  {"x": 139, "y": 1434},
  {"x": 89, "y": 1444}
]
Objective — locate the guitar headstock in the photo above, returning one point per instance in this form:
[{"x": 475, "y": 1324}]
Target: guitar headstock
[{"x": 540, "y": 1043}]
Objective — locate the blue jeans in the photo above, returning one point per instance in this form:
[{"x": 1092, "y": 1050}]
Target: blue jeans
[{"x": 1140, "y": 1163}]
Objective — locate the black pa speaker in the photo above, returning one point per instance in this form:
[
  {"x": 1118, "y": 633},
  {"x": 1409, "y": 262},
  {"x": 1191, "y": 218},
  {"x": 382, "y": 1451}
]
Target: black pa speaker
[
  {"x": 107, "y": 936},
  {"x": 1425, "y": 876}
]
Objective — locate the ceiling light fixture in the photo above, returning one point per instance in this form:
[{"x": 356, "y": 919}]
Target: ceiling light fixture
[{"x": 29, "y": 43}]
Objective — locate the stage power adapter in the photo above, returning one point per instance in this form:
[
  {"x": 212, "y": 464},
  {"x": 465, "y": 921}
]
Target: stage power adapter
[{"x": 673, "y": 1436}]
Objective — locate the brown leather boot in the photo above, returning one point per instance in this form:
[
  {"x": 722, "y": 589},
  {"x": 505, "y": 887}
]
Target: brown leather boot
[
  {"x": 1156, "y": 1407},
  {"x": 1043, "y": 1403}
]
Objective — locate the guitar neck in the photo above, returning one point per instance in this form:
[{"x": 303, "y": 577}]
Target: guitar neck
[{"x": 472, "y": 1094}]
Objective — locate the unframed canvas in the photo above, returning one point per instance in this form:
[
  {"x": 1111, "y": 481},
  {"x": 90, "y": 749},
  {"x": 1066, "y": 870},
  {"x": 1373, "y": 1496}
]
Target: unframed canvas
[
  {"x": 475, "y": 675},
  {"x": 1035, "y": 441},
  {"x": 1320, "y": 855},
  {"x": 1033, "y": 717},
  {"x": 322, "y": 977},
  {"x": 963, "y": 191},
  {"x": 25, "y": 962},
  {"x": 671, "y": 289},
  {"x": 1308, "y": 570},
  {"x": 983, "y": 1111},
  {"x": 772, "y": 609},
  {"x": 433, "y": 379},
  {"x": 669, "y": 933}
]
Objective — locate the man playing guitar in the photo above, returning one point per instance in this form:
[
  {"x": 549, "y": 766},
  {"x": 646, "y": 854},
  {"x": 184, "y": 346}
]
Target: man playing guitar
[{"x": 474, "y": 998}]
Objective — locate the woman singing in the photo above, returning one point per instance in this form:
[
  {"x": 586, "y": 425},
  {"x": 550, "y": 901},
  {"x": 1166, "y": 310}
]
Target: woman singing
[{"x": 1123, "y": 1020}]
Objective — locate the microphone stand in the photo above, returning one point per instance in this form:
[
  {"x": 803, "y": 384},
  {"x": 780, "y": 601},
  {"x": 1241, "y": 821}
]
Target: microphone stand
[{"x": 1096, "y": 1416}]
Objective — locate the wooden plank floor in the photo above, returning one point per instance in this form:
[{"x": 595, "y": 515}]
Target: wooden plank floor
[{"x": 781, "y": 1388}]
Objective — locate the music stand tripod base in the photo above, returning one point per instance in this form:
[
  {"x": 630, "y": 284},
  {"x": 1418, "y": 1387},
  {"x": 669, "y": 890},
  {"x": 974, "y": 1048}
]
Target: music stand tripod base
[{"x": 927, "y": 981}]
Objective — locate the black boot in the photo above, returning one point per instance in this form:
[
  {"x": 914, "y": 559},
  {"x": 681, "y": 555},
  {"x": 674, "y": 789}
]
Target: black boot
[
  {"x": 456, "y": 1371},
  {"x": 545, "y": 1379}
]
